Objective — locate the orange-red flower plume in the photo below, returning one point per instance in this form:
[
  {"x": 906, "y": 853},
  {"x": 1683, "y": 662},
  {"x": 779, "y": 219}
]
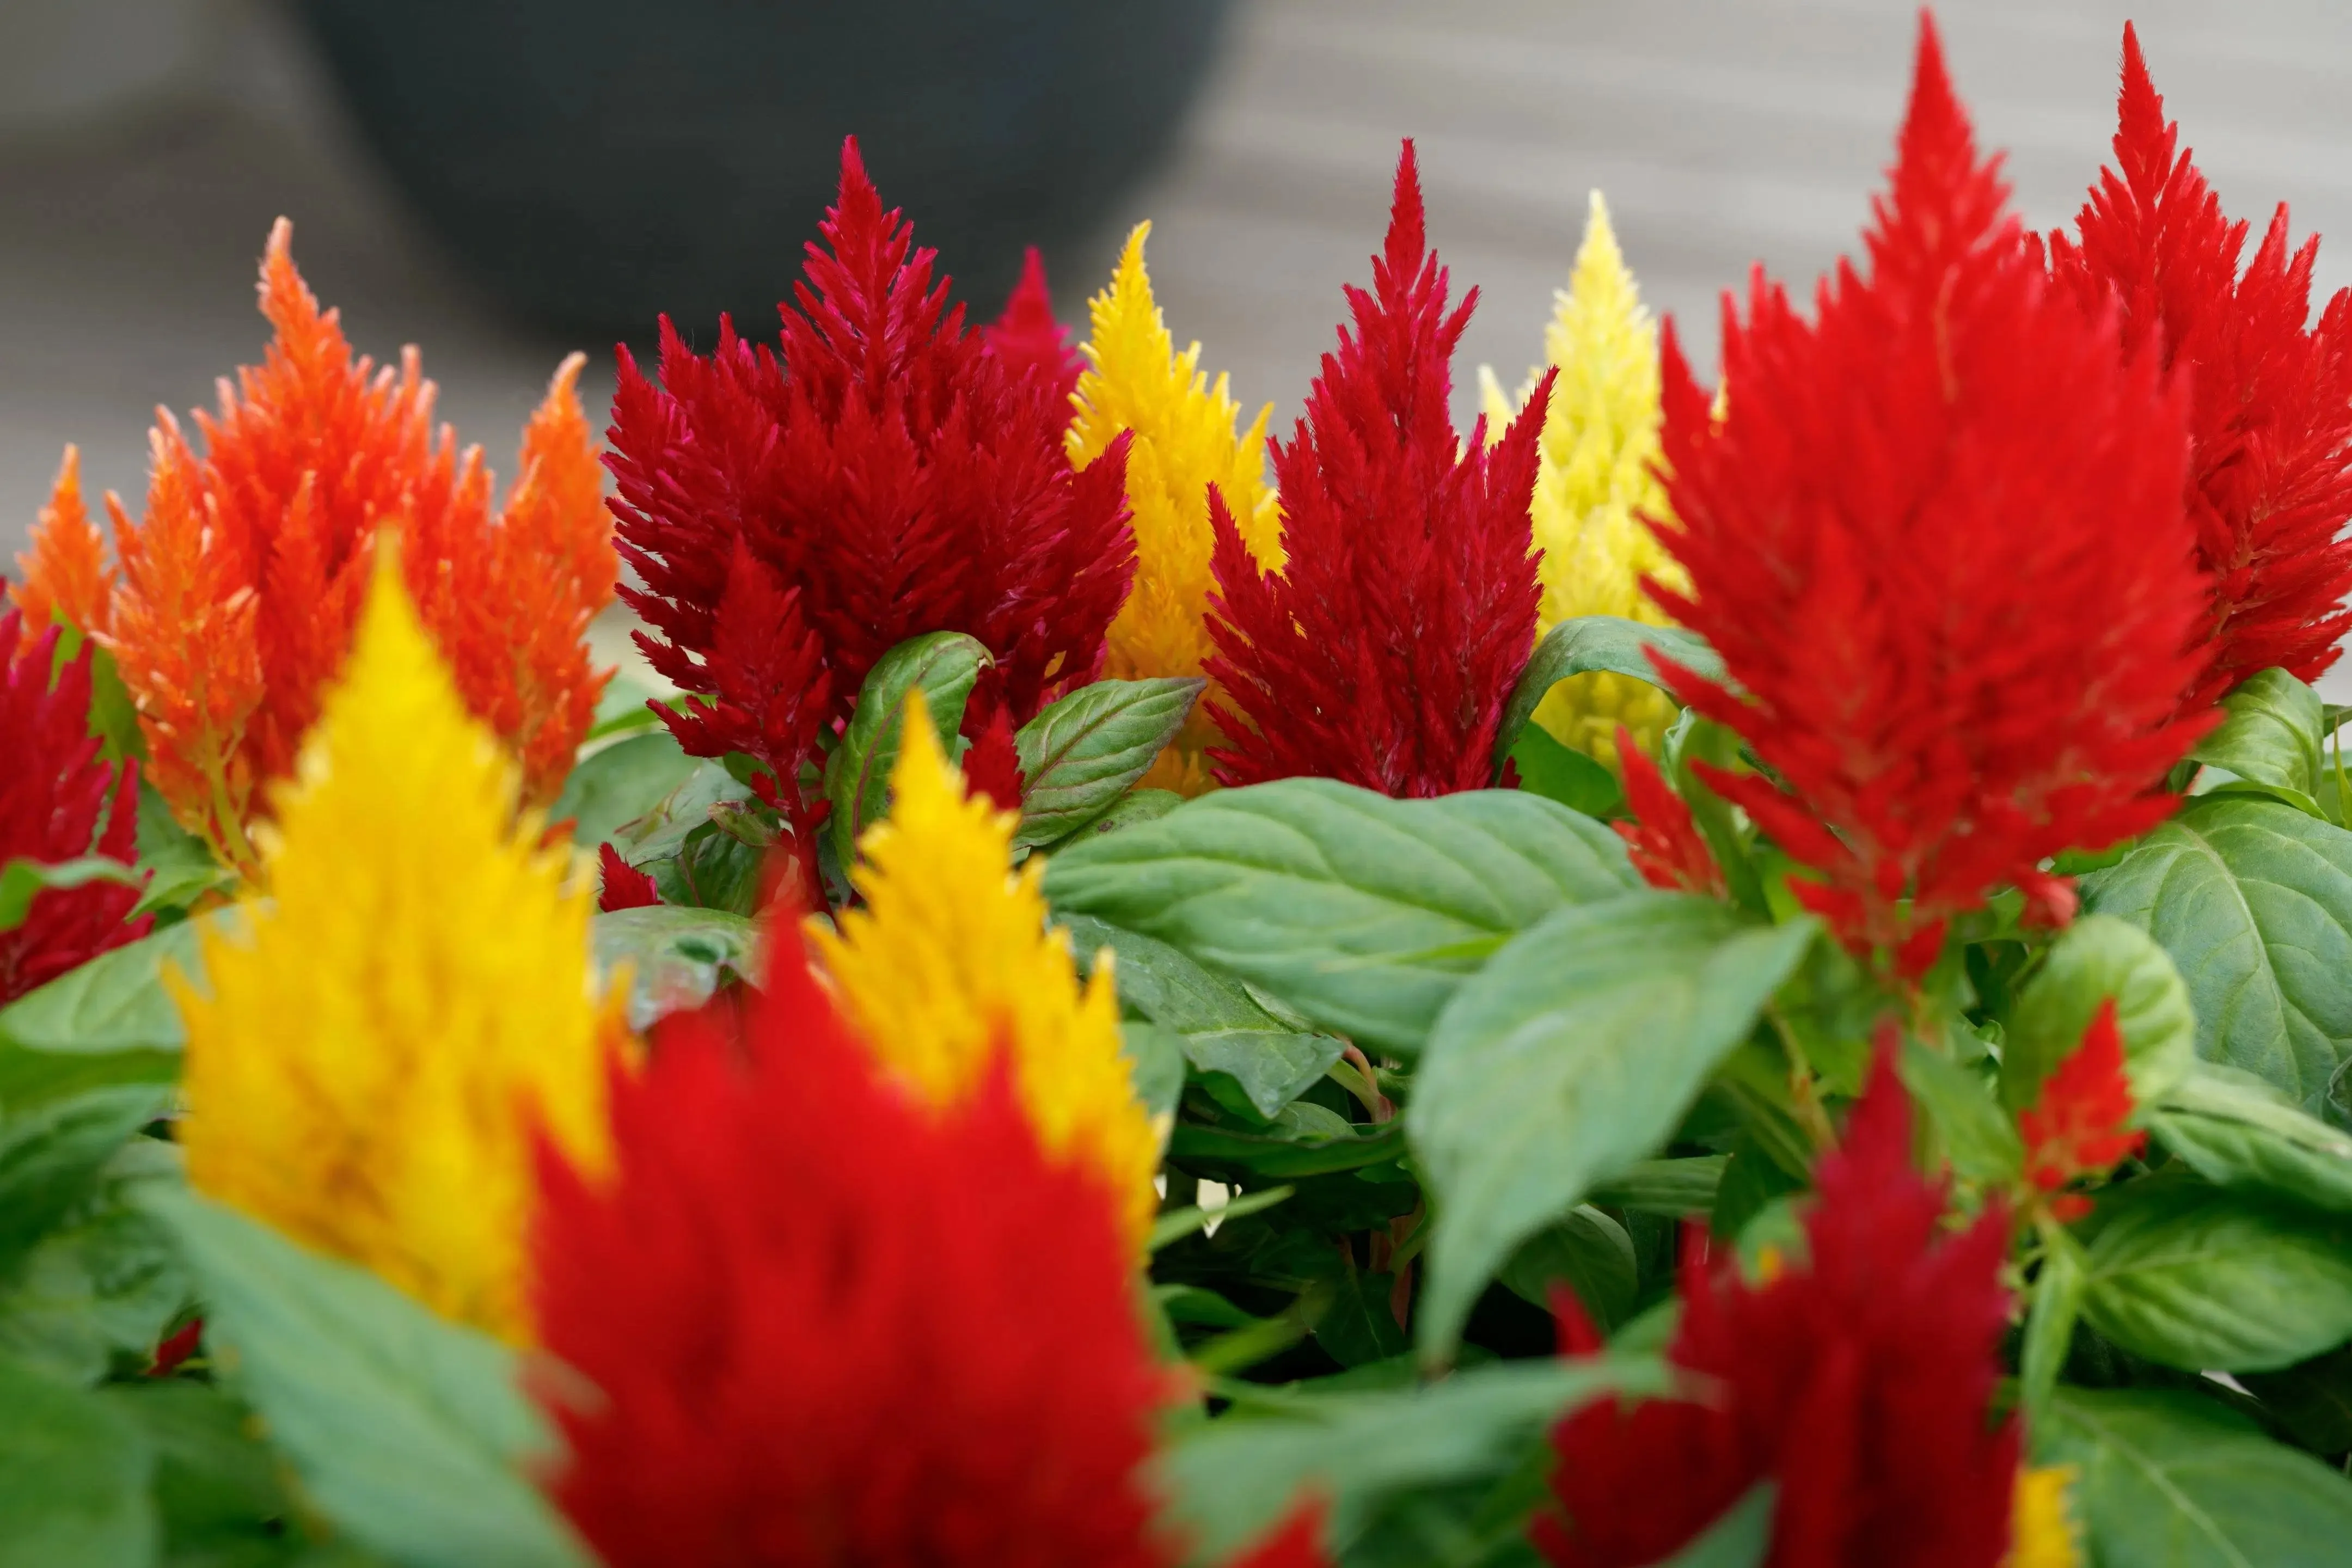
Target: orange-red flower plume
[{"x": 2075, "y": 1128}]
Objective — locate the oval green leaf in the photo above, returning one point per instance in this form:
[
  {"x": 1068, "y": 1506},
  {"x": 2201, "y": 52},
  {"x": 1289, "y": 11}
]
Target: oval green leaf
[
  {"x": 1079, "y": 756},
  {"x": 2272, "y": 731},
  {"x": 2236, "y": 1130},
  {"x": 2097, "y": 957},
  {"x": 945, "y": 666},
  {"x": 1585, "y": 643}
]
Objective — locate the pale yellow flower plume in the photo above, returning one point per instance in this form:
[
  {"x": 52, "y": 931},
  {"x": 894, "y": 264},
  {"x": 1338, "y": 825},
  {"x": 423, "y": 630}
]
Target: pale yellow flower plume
[
  {"x": 950, "y": 960},
  {"x": 1184, "y": 441},
  {"x": 411, "y": 998},
  {"x": 1599, "y": 442}
]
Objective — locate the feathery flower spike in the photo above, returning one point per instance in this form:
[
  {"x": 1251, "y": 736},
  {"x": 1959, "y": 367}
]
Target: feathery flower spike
[
  {"x": 1861, "y": 1381},
  {"x": 367, "y": 1055},
  {"x": 2043, "y": 1532},
  {"x": 240, "y": 587},
  {"x": 1938, "y": 540},
  {"x": 66, "y": 577},
  {"x": 1384, "y": 650},
  {"x": 1183, "y": 442},
  {"x": 2075, "y": 1128},
  {"x": 621, "y": 886},
  {"x": 950, "y": 959},
  {"x": 1594, "y": 486},
  {"x": 2270, "y": 472},
  {"x": 1663, "y": 842},
  {"x": 892, "y": 476},
  {"x": 58, "y": 802},
  {"x": 1028, "y": 339}
]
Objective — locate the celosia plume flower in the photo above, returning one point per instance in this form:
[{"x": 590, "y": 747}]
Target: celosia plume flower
[
  {"x": 1184, "y": 441},
  {"x": 1382, "y": 651},
  {"x": 1938, "y": 538},
  {"x": 2076, "y": 1127},
  {"x": 1859, "y": 1383},
  {"x": 2270, "y": 473},
  {"x": 887, "y": 474},
  {"x": 2042, "y": 1533},
  {"x": 58, "y": 802},
  {"x": 1662, "y": 840},
  {"x": 370, "y": 1044},
  {"x": 66, "y": 576},
  {"x": 950, "y": 959},
  {"x": 1028, "y": 339},
  {"x": 1596, "y": 484},
  {"x": 621, "y": 886},
  {"x": 239, "y": 589}
]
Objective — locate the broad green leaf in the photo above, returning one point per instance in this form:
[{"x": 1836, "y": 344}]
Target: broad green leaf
[
  {"x": 1584, "y": 1248},
  {"x": 2272, "y": 731},
  {"x": 2312, "y": 1399},
  {"x": 677, "y": 958},
  {"x": 1674, "y": 1188},
  {"x": 22, "y": 881},
  {"x": 1573, "y": 1056},
  {"x": 2236, "y": 1130},
  {"x": 74, "y": 1475},
  {"x": 93, "y": 1296},
  {"x": 1359, "y": 1326},
  {"x": 1137, "y": 807},
  {"x": 620, "y": 784},
  {"x": 1155, "y": 1056},
  {"x": 408, "y": 1432},
  {"x": 179, "y": 866},
  {"x": 2174, "y": 1480},
  {"x": 111, "y": 1021},
  {"x": 661, "y": 832},
  {"x": 2057, "y": 1304},
  {"x": 1740, "y": 1539},
  {"x": 51, "y": 1153},
  {"x": 1976, "y": 1133},
  {"x": 2253, "y": 900},
  {"x": 1362, "y": 912},
  {"x": 1080, "y": 754},
  {"x": 1565, "y": 775},
  {"x": 1285, "y": 1150},
  {"x": 945, "y": 666},
  {"x": 1583, "y": 643},
  {"x": 2097, "y": 957},
  {"x": 2196, "y": 1278},
  {"x": 1229, "y": 1480},
  {"x": 217, "y": 1485},
  {"x": 622, "y": 708}
]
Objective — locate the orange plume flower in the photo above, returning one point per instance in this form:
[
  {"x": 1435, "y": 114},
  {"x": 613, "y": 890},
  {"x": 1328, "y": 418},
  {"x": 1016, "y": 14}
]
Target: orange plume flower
[
  {"x": 65, "y": 578},
  {"x": 239, "y": 589}
]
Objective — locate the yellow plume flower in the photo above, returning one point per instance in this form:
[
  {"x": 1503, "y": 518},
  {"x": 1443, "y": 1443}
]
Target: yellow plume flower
[
  {"x": 950, "y": 957},
  {"x": 411, "y": 999},
  {"x": 1183, "y": 442},
  {"x": 1598, "y": 441},
  {"x": 2042, "y": 1529}
]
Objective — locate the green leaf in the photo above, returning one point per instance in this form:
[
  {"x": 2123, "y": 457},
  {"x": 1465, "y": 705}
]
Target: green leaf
[
  {"x": 219, "y": 1488},
  {"x": 1229, "y": 1480},
  {"x": 945, "y": 666},
  {"x": 622, "y": 708},
  {"x": 678, "y": 957},
  {"x": 661, "y": 833},
  {"x": 179, "y": 866},
  {"x": 2272, "y": 731},
  {"x": 22, "y": 881},
  {"x": 1740, "y": 1539},
  {"x": 1583, "y": 1248},
  {"x": 51, "y": 1153},
  {"x": 74, "y": 1476},
  {"x": 2312, "y": 1399},
  {"x": 113, "y": 717},
  {"x": 1360, "y": 1327},
  {"x": 1565, "y": 775},
  {"x": 95, "y": 1295},
  {"x": 2181, "y": 1481},
  {"x": 1136, "y": 807},
  {"x": 1573, "y": 1056},
  {"x": 1584, "y": 643},
  {"x": 1287, "y": 1151},
  {"x": 620, "y": 784},
  {"x": 2050, "y": 1320},
  {"x": 1362, "y": 912},
  {"x": 2097, "y": 957},
  {"x": 2193, "y": 1277},
  {"x": 1080, "y": 754},
  {"x": 111, "y": 1021},
  {"x": 2253, "y": 900},
  {"x": 2236, "y": 1130},
  {"x": 1155, "y": 1056},
  {"x": 1677, "y": 1189},
  {"x": 408, "y": 1432},
  {"x": 1177, "y": 1223},
  {"x": 1224, "y": 1030}
]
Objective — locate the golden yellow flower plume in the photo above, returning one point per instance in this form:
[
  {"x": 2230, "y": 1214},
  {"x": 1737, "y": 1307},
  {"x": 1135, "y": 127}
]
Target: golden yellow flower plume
[
  {"x": 1183, "y": 442},
  {"x": 412, "y": 997},
  {"x": 2041, "y": 1527},
  {"x": 1598, "y": 441},
  {"x": 950, "y": 956}
]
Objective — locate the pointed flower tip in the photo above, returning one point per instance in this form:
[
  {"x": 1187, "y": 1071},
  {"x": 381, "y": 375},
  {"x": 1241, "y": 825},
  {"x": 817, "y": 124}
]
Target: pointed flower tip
[{"x": 1408, "y": 229}]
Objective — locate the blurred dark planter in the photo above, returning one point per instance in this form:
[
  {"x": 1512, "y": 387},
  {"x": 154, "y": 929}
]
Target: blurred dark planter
[{"x": 598, "y": 162}]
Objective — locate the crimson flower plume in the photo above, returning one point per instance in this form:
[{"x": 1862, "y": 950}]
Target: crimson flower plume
[
  {"x": 2076, "y": 1126},
  {"x": 1938, "y": 538},
  {"x": 1382, "y": 651},
  {"x": 1662, "y": 840},
  {"x": 1028, "y": 338}
]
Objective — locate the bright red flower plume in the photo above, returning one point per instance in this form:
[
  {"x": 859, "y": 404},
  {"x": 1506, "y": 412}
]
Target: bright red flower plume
[
  {"x": 622, "y": 885},
  {"x": 1860, "y": 1381},
  {"x": 1028, "y": 338},
  {"x": 1938, "y": 538},
  {"x": 58, "y": 802},
  {"x": 1663, "y": 842},
  {"x": 1384, "y": 650},
  {"x": 2075, "y": 1127},
  {"x": 2270, "y": 480}
]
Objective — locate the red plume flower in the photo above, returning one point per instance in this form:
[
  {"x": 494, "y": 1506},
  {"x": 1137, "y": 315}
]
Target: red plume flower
[
  {"x": 888, "y": 475},
  {"x": 2075, "y": 1128},
  {"x": 58, "y": 803},
  {"x": 993, "y": 767},
  {"x": 1662, "y": 840},
  {"x": 1938, "y": 539},
  {"x": 1384, "y": 650},
  {"x": 1028, "y": 338},
  {"x": 1860, "y": 1381},
  {"x": 620, "y": 885},
  {"x": 2270, "y": 480}
]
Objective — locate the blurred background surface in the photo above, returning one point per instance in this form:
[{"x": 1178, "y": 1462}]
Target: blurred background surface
[{"x": 145, "y": 145}]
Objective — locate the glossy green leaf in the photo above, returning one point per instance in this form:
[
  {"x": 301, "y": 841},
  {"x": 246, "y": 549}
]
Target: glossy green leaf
[
  {"x": 1362, "y": 912},
  {"x": 1155, "y": 1056},
  {"x": 1975, "y": 1134},
  {"x": 945, "y": 666},
  {"x": 2253, "y": 900},
  {"x": 22, "y": 881},
  {"x": 2272, "y": 731},
  {"x": 218, "y": 1485},
  {"x": 1677, "y": 1189},
  {"x": 2050, "y": 1316},
  {"x": 1583, "y": 643},
  {"x": 1080, "y": 754},
  {"x": 622, "y": 707},
  {"x": 1742, "y": 1538},
  {"x": 2098, "y": 957},
  {"x": 620, "y": 784},
  {"x": 2174, "y": 1480},
  {"x": 1565, "y": 775},
  {"x": 1583, "y": 1248},
  {"x": 1573, "y": 1056},
  {"x": 2236, "y": 1130},
  {"x": 2199, "y": 1278},
  {"x": 1285, "y": 1151},
  {"x": 676, "y": 957},
  {"x": 51, "y": 1153},
  {"x": 408, "y": 1432},
  {"x": 1133, "y": 810},
  {"x": 74, "y": 1477}
]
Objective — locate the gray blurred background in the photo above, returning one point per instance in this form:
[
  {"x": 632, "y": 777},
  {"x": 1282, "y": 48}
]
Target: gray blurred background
[{"x": 145, "y": 145}]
